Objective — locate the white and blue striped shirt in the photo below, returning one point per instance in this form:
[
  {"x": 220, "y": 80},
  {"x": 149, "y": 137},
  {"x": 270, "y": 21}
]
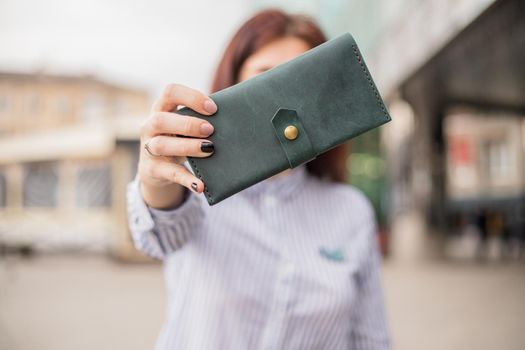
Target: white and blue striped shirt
[{"x": 289, "y": 263}]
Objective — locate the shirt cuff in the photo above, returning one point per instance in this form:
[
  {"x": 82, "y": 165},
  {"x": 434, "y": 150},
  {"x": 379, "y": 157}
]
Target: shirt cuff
[
  {"x": 159, "y": 232},
  {"x": 189, "y": 203}
]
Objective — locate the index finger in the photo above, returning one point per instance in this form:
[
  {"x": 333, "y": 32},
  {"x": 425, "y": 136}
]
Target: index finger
[{"x": 175, "y": 95}]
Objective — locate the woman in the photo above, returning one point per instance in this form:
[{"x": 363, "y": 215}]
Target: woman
[{"x": 289, "y": 263}]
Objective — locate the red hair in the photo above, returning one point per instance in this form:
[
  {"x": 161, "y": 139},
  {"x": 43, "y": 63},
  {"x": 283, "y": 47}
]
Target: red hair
[{"x": 258, "y": 31}]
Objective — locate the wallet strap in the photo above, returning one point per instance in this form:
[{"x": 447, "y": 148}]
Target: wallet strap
[{"x": 298, "y": 150}]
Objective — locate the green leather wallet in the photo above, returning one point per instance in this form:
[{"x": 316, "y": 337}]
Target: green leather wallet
[{"x": 287, "y": 116}]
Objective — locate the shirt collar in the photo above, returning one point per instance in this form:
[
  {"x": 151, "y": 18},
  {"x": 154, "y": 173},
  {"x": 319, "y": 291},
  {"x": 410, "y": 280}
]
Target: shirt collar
[{"x": 282, "y": 186}]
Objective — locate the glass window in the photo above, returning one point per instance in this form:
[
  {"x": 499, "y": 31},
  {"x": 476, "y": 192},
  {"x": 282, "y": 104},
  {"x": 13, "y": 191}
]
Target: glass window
[
  {"x": 498, "y": 159},
  {"x": 94, "y": 186},
  {"x": 93, "y": 108},
  {"x": 133, "y": 150},
  {"x": 63, "y": 106},
  {"x": 3, "y": 190},
  {"x": 5, "y": 103},
  {"x": 121, "y": 106},
  {"x": 33, "y": 103},
  {"x": 40, "y": 187}
]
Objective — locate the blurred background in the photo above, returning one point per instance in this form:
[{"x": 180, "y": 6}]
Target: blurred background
[{"x": 446, "y": 176}]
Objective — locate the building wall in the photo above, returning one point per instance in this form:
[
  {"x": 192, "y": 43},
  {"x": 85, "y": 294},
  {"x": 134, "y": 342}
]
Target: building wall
[
  {"x": 68, "y": 148},
  {"x": 30, "y": 102}
]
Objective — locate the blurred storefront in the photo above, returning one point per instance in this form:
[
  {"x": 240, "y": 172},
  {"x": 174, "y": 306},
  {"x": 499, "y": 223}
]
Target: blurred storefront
[
  {"x": 68, "y": 147},
  {"x": 462, "y": 100}
]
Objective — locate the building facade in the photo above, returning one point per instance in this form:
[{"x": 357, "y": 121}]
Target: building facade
[
  {"x": 68, "y": 147},
  {"x": 454, "y": 79}
]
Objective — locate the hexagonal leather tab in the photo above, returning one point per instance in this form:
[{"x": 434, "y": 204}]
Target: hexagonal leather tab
[{"x": 298, "y": 150}]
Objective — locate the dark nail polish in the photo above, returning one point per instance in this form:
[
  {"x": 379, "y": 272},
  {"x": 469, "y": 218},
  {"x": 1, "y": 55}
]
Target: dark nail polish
[
  {"x": 194, "y": 186},
  {"x": 207, "y": 147}
]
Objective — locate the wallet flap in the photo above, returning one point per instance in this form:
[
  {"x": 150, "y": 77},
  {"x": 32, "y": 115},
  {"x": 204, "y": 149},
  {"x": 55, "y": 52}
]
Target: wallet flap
[{"x": 293, "y": 137}]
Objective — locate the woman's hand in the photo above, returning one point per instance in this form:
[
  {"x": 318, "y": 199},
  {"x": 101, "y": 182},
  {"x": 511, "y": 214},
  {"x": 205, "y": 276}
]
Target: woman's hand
[{"x": 161, "y": 172}]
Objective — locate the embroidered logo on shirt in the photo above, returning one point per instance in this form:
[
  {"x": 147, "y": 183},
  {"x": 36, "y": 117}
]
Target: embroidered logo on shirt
[{"x": 333, "y": 254}]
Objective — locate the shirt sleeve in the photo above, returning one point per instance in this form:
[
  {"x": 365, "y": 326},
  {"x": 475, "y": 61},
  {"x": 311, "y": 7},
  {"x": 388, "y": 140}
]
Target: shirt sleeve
[
  {"x": 156, "y": 232},
  {"x": 369, "y": 325}
]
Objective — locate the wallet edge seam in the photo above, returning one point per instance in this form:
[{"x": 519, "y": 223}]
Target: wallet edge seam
[
  {"x": 199, "y": 175},
  {"x": 380, "y": 102}
]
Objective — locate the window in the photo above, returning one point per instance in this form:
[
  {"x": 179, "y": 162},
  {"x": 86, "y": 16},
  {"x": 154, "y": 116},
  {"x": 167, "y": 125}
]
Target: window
[
  {"x": 63, "y": 106},
  {"x": 94, "y": 186},
  {"x": 93, "y": 107},
  {"x": 133, "y": 150},
  {"x": 120, "y": 106},
  {"x": 40, "y": 187},
  {"x": 497, "y": 156},
  {"x": 5, "y": 103},
  {"x": 3, "y": 190},
  {"x": 33, "y": 103}
]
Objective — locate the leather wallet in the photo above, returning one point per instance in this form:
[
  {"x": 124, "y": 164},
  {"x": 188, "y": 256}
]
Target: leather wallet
[{"x": 286, "y": 116}]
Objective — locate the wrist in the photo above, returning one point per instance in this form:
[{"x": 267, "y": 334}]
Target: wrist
[{"x": 163, "y": 197}]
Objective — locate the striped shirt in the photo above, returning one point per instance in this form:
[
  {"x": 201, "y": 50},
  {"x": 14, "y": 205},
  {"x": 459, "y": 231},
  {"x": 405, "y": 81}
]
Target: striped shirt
[{"x": 289, "y": 263}]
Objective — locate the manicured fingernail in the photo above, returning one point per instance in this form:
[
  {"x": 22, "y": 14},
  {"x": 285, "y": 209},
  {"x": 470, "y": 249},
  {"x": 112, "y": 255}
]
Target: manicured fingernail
[
  {"x": 194, "y": 186},
  {"x": 206, "y": 129},
  {"x": 207, "y": 147},
  {"x": 210, "y": 106}
]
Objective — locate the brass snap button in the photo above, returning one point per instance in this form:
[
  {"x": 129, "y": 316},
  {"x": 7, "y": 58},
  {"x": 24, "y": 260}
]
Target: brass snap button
[{"x": 291, "y": 132}]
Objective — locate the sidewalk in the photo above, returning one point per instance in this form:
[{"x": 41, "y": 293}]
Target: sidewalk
[
  {"x": 91, "y": 302},
  {"x": 438, "y": 303}
]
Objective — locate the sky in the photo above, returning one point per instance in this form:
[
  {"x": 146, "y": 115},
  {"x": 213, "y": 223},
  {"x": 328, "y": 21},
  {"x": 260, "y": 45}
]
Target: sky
[
  {"x": 143, "y": 44},
  {"x": 151, "y": 43}
]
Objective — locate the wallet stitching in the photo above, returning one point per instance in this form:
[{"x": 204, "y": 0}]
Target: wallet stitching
[
  {"x": 379, "y": 101},
  {"x": 206, "y": 192}
]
